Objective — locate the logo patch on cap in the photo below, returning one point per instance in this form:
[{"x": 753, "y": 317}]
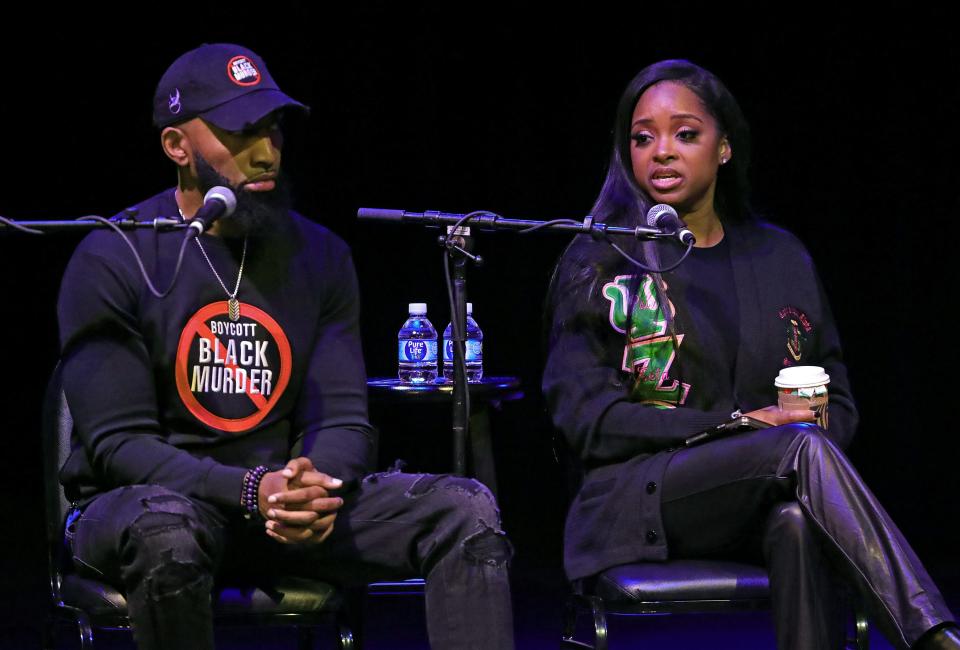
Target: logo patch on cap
[
  {"x": 242, "y": 71},
  {"x": 173, "y": 102}
]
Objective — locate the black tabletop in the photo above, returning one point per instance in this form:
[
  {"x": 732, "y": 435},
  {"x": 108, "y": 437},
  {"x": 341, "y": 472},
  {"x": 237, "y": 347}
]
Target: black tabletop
[{"x": 488, "y": 389}]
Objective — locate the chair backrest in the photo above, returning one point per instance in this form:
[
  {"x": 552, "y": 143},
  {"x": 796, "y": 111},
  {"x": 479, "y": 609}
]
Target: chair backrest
[{"x": 56, "y": 430}]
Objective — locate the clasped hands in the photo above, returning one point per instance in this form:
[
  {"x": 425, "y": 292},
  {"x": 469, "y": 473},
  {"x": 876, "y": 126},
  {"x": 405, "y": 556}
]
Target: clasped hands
[{"x": 296, "y": 503}]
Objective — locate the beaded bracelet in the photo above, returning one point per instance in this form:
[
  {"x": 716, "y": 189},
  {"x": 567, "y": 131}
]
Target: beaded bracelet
[{"x": 250, "y": 493}]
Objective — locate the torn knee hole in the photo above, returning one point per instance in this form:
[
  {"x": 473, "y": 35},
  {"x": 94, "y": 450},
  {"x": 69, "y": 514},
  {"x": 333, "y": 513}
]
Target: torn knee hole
[
  {"x": 173, "y": 578},
  {"x": 423, "y": 485},
  {"x": 466, "y": 486},
  {"x": 488, "y": 546},
  {"x": 397, "y": 467},
  {"x": 470, "y": 487},
  {"x": 170, "y": 503},
  {"x": 153, "y": 523},
  {"x": 163, "y": 512}
]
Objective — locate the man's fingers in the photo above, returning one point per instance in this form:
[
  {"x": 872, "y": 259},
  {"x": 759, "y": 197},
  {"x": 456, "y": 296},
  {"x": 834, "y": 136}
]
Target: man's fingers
[
  {"x": 320, "y": 505},
  {"x": 297, "y": 466},
  {"x": 289, "y": 533},
  {"x": 324, "y": 522},
  {"x": 292, "y": 498},
  {"x": 279, "y": 538},
  {"x": 315, "y": 533},
  {"x": 321, "y": 536},
  {"x": 301, "y": 480},
  {"x": 313, "y": 477},
  {"x": 327, "y": 504},
  {"x": 301, "y": 518}
]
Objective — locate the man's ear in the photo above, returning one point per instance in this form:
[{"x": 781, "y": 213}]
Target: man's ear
[{"x": 176, "y": 146}]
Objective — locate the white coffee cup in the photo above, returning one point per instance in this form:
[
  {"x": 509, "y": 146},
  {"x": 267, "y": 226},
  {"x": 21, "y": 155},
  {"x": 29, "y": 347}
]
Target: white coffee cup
[{"x": 804, "y": 388}]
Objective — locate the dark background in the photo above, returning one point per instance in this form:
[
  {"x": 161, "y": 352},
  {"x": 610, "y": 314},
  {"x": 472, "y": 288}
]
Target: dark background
[{"x": 510, "y": 110}]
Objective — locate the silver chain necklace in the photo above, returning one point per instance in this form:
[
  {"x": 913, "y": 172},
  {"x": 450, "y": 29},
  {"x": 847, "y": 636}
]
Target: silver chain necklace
[{"x": 233, "y": 305}]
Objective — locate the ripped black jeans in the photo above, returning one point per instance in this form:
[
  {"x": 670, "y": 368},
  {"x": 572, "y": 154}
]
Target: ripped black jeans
[{"x": 165, "y": 551}]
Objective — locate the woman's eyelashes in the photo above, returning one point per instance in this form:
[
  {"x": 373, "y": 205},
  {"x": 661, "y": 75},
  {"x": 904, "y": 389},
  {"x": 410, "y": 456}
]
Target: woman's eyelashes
[{"x": 683, "y": 135}]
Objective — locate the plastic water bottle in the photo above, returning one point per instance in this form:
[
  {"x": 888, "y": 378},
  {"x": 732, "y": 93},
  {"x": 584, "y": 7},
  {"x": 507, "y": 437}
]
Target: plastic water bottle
[
  {"x": 473, "y": 349},
  {"x": 417, "y": 347}
]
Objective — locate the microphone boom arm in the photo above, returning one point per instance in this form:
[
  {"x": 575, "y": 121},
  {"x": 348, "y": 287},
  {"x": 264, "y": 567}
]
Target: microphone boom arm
[{"x": 489, "y": 221}]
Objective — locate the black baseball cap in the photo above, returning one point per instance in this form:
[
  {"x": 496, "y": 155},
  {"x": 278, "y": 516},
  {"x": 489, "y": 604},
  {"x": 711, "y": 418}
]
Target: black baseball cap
[{"x": 227, "y": 85}]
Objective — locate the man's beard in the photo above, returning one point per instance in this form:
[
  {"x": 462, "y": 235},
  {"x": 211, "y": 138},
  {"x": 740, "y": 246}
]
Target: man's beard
[{"x": 255, "y": 212}]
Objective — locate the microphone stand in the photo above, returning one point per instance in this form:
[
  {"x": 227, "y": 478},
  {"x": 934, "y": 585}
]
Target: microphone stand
[
  {"x": 84, "y": 224},
  {"x": 217, "y": 202},
  {"x": 118, "y": 225},
  {"x": 458, "y": 243}
]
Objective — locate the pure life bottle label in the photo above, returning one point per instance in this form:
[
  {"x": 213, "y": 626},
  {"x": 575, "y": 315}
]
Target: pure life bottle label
[
  {"x": 473, "y": 349},
  {"x": 417, "y": 351}
]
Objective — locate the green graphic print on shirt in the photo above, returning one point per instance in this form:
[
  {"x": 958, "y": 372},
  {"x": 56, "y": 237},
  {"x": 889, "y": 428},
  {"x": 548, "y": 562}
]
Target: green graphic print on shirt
[{"x": 650, "y": 351}]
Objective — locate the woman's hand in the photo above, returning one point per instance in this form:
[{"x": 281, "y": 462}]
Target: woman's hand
[{"x": 773, "y": 416}]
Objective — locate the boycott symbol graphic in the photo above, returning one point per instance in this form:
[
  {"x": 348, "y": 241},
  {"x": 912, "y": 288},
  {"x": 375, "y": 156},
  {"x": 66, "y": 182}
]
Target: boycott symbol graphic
[
  {"x": 197, "y": 329},
  {"x": 242, "y": 71}
]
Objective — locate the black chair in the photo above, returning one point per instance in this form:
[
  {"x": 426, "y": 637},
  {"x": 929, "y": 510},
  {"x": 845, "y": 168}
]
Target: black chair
[
  {"x": 672, "y": 587},
  {"x": 89, "y": 604}
]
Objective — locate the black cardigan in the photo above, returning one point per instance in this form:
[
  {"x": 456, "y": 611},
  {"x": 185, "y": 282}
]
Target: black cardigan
[{"x": 624, "y": 444}]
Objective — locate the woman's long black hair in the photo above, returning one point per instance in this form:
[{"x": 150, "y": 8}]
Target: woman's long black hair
[{"x": 623, "y": 202}]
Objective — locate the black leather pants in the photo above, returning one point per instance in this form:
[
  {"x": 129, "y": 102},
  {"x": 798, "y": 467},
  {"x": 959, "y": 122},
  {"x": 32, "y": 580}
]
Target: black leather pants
[{"x": 789, "y": 495}]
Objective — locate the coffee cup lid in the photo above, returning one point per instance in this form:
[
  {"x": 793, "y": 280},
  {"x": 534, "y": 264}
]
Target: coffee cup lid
[{"x": 801, "y": 376}]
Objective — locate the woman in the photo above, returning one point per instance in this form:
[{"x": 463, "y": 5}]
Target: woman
[{"x": 641, "y": 361}]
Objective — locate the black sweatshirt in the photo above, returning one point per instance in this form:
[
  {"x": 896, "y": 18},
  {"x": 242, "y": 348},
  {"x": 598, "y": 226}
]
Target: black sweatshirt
[{"x": 173, "y": 392}]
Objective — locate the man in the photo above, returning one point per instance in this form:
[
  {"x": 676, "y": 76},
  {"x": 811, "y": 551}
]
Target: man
[{"x": 223, "y": 427}]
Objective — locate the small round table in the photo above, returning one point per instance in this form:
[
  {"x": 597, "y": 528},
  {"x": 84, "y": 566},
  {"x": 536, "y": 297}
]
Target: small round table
[{"x": 490, "y": 391}]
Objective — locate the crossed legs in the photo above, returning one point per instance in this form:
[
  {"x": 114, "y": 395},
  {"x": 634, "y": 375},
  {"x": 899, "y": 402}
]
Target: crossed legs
[{"x": 791, "y": 492}]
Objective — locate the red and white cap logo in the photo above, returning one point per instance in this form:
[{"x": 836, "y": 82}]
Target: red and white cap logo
[{"x": 242, "y": 71}]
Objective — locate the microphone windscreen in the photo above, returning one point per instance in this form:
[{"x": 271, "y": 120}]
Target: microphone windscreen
[
  {"x": 380, "y": 214},
  {"x": 223, "y": 194},
  {"x": 657, "y": 212}
]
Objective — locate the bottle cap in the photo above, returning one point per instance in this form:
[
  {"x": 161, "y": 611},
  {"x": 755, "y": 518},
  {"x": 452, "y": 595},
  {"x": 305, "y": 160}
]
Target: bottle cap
[
  {"x": 469, "y": 309},
  {"x": 418, "y": 308}
]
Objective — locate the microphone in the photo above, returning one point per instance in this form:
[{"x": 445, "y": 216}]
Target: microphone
[
  {"x": 665, "y": 218},
  {"x": 218, "y": 202}
]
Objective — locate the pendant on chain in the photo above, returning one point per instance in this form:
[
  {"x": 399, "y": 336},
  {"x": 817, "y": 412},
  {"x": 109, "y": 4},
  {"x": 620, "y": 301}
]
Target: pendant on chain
[{"x": 233, "y": 305}]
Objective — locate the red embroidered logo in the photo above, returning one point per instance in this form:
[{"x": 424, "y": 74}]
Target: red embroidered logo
[{"x": 798, "y": 329}]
